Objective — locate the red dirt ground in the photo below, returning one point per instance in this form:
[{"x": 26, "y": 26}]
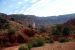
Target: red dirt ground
[{"x": 54, "y": 46}]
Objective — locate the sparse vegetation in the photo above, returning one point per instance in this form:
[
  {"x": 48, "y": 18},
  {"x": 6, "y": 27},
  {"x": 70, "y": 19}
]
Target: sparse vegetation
[
  {"x": 11, "y": 32},
  {"x": 42, "y": 29},
  {"x": 49, "y": 40},
  {"x": 23, "y": 47},
  {"x": 63, "y": 39},
  {"x": 33, "y": 43},
  {"x": 4, "y": 24},
  {"x": 57, "y": 30},
  {"x": 36, "y": 43},
  {"x": 61, "y": 30},
  {"x": 29, "y": 32},
  {"x": 66, "y": 31}
]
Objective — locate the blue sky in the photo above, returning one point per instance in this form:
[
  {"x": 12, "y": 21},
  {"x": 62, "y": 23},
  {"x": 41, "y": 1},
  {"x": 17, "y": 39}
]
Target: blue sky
[{"x": 37, "y": 7}]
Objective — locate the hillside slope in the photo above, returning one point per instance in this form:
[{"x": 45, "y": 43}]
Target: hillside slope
[
  {"x": 29, "y": 19},
  {"x": 70, "y": 24}
]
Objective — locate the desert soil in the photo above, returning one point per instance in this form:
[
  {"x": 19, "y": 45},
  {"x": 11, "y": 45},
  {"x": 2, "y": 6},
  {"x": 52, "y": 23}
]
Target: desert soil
[{"x": 54, "y": 46}]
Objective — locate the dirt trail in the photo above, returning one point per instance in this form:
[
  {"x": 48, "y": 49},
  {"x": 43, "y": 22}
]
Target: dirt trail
[
  {"x": 55, "y": 46},
  {"x": 11, "y": 48}
]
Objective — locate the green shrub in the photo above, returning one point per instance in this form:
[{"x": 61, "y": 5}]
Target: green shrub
[
  {"x": 30, "y": 45},
  {"x": 57, "y": 30},
  {"x": 33, "y": 43},
  {"x": 4, "y": 24},
  {"x": 36, "y": 43},
  {"x": 23, "y": 47},
  {"x": 63, "y": 40},
  {"x": 49, "y": 41},
  {"x": 66, "y": 31}
]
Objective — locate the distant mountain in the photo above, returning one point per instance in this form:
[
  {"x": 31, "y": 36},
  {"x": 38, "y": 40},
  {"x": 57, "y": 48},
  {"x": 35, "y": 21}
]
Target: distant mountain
[{"x": 29, "y": 19}]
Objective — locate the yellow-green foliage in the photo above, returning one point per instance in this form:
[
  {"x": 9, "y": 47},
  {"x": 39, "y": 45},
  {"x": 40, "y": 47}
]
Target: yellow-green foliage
[
  {"x": 36, "y": 43},
  {"x": 23, "y": 47}
]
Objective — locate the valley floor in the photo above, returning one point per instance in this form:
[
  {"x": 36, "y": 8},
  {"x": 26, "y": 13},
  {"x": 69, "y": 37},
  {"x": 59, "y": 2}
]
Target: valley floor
[{"x": 54, "y": 46}]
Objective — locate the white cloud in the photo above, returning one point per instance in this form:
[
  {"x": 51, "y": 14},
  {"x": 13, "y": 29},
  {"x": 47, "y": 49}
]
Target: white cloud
[
  {"x": 10, "y": 13},
  {"x": 22, "y": 11},
  {"x": 39, "y": 8},
  {"x": 15, "y": 12},
  {"x": 33, "y": 1},
  {"x": 49, "y": 7},
  {"x": 20, "y": 2}
]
